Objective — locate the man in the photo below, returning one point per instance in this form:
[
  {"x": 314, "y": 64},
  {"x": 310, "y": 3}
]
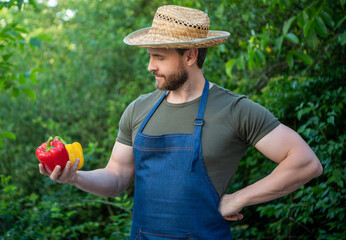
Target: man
[{"x": 182, "y": 143}]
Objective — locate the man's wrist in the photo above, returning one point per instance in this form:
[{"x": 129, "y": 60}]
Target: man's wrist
[
  {"x": 239, "y": 200},
  {"x": 74, "y": 179}
]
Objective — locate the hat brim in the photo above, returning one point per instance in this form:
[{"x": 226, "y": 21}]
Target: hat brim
[{"x": 139, "y": 39}]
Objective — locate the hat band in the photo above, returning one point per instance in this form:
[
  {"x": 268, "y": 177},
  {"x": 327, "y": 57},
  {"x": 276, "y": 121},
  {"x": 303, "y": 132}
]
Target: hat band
[
  {"x": 177, "y": 21},
  {"x": 177, "y": 30}
]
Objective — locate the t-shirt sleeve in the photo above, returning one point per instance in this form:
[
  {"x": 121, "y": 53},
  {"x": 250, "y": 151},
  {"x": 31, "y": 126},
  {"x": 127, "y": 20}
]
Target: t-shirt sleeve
[
  {"x": 125, "y": 126},
  {"x": 252, "y": 121}
]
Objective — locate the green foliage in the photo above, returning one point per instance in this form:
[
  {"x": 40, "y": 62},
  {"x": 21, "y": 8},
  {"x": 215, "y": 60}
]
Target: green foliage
[
  {"x": 78, "y": 77},
  {"x": 320, "y": 110},
  {"x": 11, "y": 40},
  {"x": 64, "y": 214}
]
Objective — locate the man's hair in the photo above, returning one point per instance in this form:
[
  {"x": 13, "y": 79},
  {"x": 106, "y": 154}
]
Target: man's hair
[{"x": 202, "y": 54}]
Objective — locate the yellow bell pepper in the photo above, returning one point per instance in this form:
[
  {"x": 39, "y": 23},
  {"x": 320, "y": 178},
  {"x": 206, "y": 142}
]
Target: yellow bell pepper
[{"x": 75, "y": 151}]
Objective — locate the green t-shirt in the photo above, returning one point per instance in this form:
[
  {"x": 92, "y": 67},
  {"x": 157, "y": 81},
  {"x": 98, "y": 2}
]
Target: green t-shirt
[{"x": 231, "y": 123}]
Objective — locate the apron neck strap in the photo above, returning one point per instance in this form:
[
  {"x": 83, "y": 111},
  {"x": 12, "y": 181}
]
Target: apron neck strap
[{"x": 199, "y": 119}]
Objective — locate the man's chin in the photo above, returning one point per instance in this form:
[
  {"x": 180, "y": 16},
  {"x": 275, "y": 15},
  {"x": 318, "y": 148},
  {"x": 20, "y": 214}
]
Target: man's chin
[{"x": 158, "y": 85}]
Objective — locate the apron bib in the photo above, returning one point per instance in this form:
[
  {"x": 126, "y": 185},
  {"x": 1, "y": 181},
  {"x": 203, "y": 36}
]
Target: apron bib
[{"x": 174, "y": 197}]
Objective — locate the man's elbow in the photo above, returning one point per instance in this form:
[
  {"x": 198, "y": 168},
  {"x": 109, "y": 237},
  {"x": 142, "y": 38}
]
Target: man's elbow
[{"x": 315, "y": 167}]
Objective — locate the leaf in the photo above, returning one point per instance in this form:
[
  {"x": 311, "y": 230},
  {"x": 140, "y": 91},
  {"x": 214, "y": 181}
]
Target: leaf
[
  {"x": 311, "y": 40},
  {"x": 340, "y": 22},
  {"x": 278, "y": 43},
  {"x": 20, "y": 4},
  {"x": 15, "y": 34},
  {"x": 33, "y": 3},
  {"x": 305, "y": 58},
  {"x": 7, "y": 56},
  {"x": 337, "y": 177},
  {"x": 241, "y": 63},
  {"x": 35, "y": 42},
  {"x": 327, "y": 19},
  {"x": 20, "y": 29},
  {"x": 8, "y": 135},
  {"x": 15, "y": 92},
  {"x": 342, "y": 38},
  {"x": 303, "y": 112},
  {"x": 289, "y": 59},
  {"x": 307, "y": 27},
  {"x": 292, "y": 38},
  {"x": 272, "y": 4},
  {"x": 305, "y": 16},
  {"x": 44, "y": 36},
  {"x": 301, "y": 20},
  {"x": 288, "y": 25},
  {"x": 242, "y": 44},
  {"x": 321, "y": 28},
  {"x": 251, "y": 55},
  {"x": 5, "y": 35},
  {"x": 260, "y": 57},
  {"x": 30, "y": 93},
  {"x": 229, "y": 66},
  {"x": 33, "y": 77},
  {"x": 331, "y": 120},
  {"x": 22, "y": 79}
]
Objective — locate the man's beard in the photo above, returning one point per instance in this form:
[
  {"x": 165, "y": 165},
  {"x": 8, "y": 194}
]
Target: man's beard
[{"x": 173, "y": 81}]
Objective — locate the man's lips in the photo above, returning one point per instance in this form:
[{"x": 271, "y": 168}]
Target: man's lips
[{"x": 158, "y": 77}]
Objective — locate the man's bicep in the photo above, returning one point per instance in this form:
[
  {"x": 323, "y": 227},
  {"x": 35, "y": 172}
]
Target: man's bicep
[
  {"x": 122, "y": 162},
  {"x": 280, "y": 142}
]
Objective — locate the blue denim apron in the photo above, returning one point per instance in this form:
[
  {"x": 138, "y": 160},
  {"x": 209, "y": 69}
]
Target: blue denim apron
[{"x": 174, "y": 197}]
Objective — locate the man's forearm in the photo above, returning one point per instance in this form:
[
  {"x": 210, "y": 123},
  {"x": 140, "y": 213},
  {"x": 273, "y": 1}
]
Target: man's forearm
[
  {"x": 297, "y": 165},
  {"x": 289, "y": 175},
  {"x": 101, "y": 182}
]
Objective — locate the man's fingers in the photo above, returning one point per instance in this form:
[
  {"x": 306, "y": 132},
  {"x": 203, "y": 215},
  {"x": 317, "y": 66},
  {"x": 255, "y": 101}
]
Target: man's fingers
[
  {"x": 69, "y": 172},
  {"x": 66, "y": 172},
  {"x": 61, "y": 176},
  {"x": 43, "y": 170},
  {"x": 55, "y": 174},
  {"x": 75, "y": 165},
  {"x": 235, "y": 217}
]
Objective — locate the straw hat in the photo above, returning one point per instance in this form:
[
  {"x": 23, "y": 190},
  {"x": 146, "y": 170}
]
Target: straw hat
[{"x": 177, "y": 27}]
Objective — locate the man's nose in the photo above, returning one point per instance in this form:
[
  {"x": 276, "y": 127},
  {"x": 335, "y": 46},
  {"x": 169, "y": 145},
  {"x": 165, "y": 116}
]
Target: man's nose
[{"x": 151, "y": 66}]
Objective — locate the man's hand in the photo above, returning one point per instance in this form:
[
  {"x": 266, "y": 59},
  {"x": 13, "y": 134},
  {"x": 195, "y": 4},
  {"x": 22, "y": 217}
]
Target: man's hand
[
  {"x": 229, "y": 208},
  {"x": 68, "y": 175}
]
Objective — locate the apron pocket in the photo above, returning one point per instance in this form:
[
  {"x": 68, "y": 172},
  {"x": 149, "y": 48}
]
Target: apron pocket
[
  {"x": 155, "y": 236},
  {"x": 145, "y": 234}
]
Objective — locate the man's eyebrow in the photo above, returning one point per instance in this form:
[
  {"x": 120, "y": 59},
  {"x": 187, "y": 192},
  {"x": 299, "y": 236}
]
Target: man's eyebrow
[{"x": 157, "y": 55}]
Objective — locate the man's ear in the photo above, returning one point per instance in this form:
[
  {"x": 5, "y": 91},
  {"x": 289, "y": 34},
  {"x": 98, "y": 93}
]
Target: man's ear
[{"x": 191, "y": 56}]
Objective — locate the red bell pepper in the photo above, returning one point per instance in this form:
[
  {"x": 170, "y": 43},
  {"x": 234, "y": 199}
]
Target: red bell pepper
[{"x": 52, "y": 153}]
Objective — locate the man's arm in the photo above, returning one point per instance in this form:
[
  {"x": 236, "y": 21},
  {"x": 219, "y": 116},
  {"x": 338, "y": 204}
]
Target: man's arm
[
  {"x": 297, "y": 164},
  {"x": 109, "y": 181}
]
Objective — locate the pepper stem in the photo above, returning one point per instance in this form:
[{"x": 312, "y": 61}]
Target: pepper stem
[
  {"x": 49, "y": 147},
  {"x": 60, "y": 139}
]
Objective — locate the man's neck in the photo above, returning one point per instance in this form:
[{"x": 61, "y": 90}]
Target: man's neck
[{"x": 192, "y": 89}]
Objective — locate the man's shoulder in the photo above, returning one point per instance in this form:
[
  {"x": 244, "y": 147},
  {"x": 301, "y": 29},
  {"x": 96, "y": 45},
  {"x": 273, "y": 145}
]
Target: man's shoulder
[
  {"x": 225, "y": 94},
  {"x": 139, "y": 108},
  {"x": 144, "y": 102},
  {"x": 148, "y": 98}
]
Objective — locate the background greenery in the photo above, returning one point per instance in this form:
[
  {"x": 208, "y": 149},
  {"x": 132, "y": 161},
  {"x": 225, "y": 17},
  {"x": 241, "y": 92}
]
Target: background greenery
[{"x": 64, "y": 70}]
